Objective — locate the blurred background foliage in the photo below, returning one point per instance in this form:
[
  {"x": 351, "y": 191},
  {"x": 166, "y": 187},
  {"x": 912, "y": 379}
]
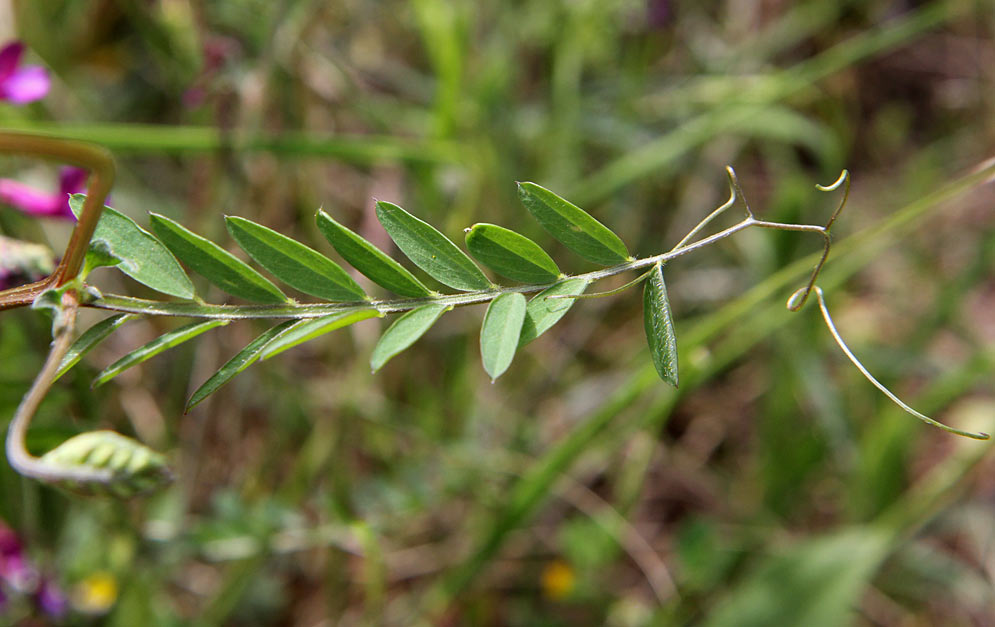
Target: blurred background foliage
[{"x": 776, "y": 487}]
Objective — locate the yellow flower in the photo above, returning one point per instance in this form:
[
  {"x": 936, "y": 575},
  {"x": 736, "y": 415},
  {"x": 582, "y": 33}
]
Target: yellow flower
[
  {"x": 96, "y": 594},
  {"x": 558, "y": 580}
]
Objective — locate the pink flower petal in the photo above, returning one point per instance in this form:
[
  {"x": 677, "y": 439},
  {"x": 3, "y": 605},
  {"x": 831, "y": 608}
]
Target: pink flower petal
[
  {"x": 10, "y": 57},
  {"x": 28, "y": 199},
  {"x": 25, "y": 85}
]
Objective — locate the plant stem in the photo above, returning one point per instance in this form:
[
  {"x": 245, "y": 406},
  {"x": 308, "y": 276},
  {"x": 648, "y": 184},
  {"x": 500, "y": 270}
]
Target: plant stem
[
  {"x": 101, "y": 166},
  {"x": 17, "y": 454},
  {"x": 113, "y": 302}
]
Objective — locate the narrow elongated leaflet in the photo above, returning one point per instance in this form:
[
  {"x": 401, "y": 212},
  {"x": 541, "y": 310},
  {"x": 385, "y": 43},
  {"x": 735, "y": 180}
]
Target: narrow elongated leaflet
[
  {"x": 500, "y": 332},
  {"x": 573, "y": 226},
  {"x": 90, "y": 338},
  {"x": 404, "y": 332},
  {"x": 136, "y": 252},
  {"x": 370, "y": 260},
  {"x": 543, "y": 312},
  {"x": 214, "y": 263},
  {"x": 510, "y": 254},
  {"x": 659, "y": 325},
  {"x": 305, "y": 330},
  {"x": 430, "y": 250},
  {"x": 295, "y": 264},
  {"x": 161, "y": 344},
  {"x": 242, "y": 360}
]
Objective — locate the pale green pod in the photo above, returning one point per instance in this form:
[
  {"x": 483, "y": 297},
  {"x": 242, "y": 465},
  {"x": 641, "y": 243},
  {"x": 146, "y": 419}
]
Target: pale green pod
[{"x": 133, "y": 467}]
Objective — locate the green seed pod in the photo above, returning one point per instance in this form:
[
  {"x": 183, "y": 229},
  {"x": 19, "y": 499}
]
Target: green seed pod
[{"x": 132, "y": 467}]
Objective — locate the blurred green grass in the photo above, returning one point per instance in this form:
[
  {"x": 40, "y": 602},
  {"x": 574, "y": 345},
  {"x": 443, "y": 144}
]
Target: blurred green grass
[{"x": 776, "y": 487}]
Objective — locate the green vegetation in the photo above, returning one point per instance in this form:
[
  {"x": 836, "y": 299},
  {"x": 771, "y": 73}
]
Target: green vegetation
[{"x": 775, "y": 486}]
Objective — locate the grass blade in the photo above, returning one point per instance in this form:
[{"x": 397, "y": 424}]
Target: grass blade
[
  {"x": 305, "y": 330},
  {"x": 89, "y": 339},
  {"x": 138, "y": 254},
  {"x": 571, "y": 225},
  {"x": 824, "y": 578},
  {"x": 214, "y": 263},
  {"x": 659, "y": 324},
  {"x": 370, "y": 260},
  {"x": 159, "y": 345},
  {"x": 295, "y": 264},
  {"x": 501, "y": 331},
  {"x": 543, "y": 312},
  {"x": 242, "y": 360},
  {"x": 404, "y": 332},
  {"x": 430, "y": 250},
  {"x": 510, "y": 254}
]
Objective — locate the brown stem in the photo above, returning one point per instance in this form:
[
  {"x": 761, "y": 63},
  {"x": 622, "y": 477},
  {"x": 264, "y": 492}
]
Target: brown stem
[{"x": 101, "y": 166}]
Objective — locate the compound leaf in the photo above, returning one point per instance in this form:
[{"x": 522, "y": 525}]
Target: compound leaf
[
  {"x": 501, "y": 331},
  {"x": 510, "y": 254},
  {"x": 119, "y": 241},
  {"x": 571, "y": 225},
  {"x": 214, "y": 263},
  {"x": 160, "y": 344},
  {"x": 308, "y": 329},
  {"x": 242, "y": 360},
  {"x": 370, "y": 260},
  {"x": 295, "y": 264},
  {"x": 89, "y": 339},
  {"x": 430, "y": 250},
  {"x": 659, "y": 325},
  {"x": 543, "y": 312},
  {"x": 404, "y": 332}
]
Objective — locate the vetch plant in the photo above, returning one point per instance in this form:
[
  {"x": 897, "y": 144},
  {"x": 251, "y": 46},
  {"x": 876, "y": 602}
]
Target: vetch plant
[{"x": 104, "y": 461}]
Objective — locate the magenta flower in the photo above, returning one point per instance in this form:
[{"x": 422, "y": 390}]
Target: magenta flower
[
  {"x": 21, "y": 85},
  {"x": 40, "y": 203},
  {"x": 20, "y": 579}
]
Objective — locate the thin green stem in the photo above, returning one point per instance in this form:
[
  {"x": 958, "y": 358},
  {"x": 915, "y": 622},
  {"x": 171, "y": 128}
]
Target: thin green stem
[
  {"x": 126, "y": 304},
  {"x": 618, "y": 290}
]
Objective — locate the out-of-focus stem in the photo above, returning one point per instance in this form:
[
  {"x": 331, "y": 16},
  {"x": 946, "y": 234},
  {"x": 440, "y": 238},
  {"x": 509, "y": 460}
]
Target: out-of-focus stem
[{"x": 99, "y": 163}]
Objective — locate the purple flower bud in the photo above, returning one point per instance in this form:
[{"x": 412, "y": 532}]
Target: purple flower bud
[{"x": 21, "y": 85}]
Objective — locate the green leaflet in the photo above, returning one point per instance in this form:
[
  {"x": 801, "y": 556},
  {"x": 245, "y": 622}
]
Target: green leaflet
[
  {"x": 542, "y": 312},
  {"x": 369, "y": 259},
  {"x": 510, "y": 254},
  {"x": 430, "y": 250},
  {"x": 242, "y": 360},
  {"x": 134, "y": 468},
  {"x": 305, "y": 330},
  {"x": 295, "y": 264},
  {"x": 501, "y": 331},
  {"x": 90, "y": 338},
  {"x": 660, "y": 326},
  {"x": 160, "y": 344},
  {"x": 119, "y": 241},
  {"x": 214, "y": 263},
  {"x": 404, "y": 332},
  {"x": 573, "y": 226}
]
